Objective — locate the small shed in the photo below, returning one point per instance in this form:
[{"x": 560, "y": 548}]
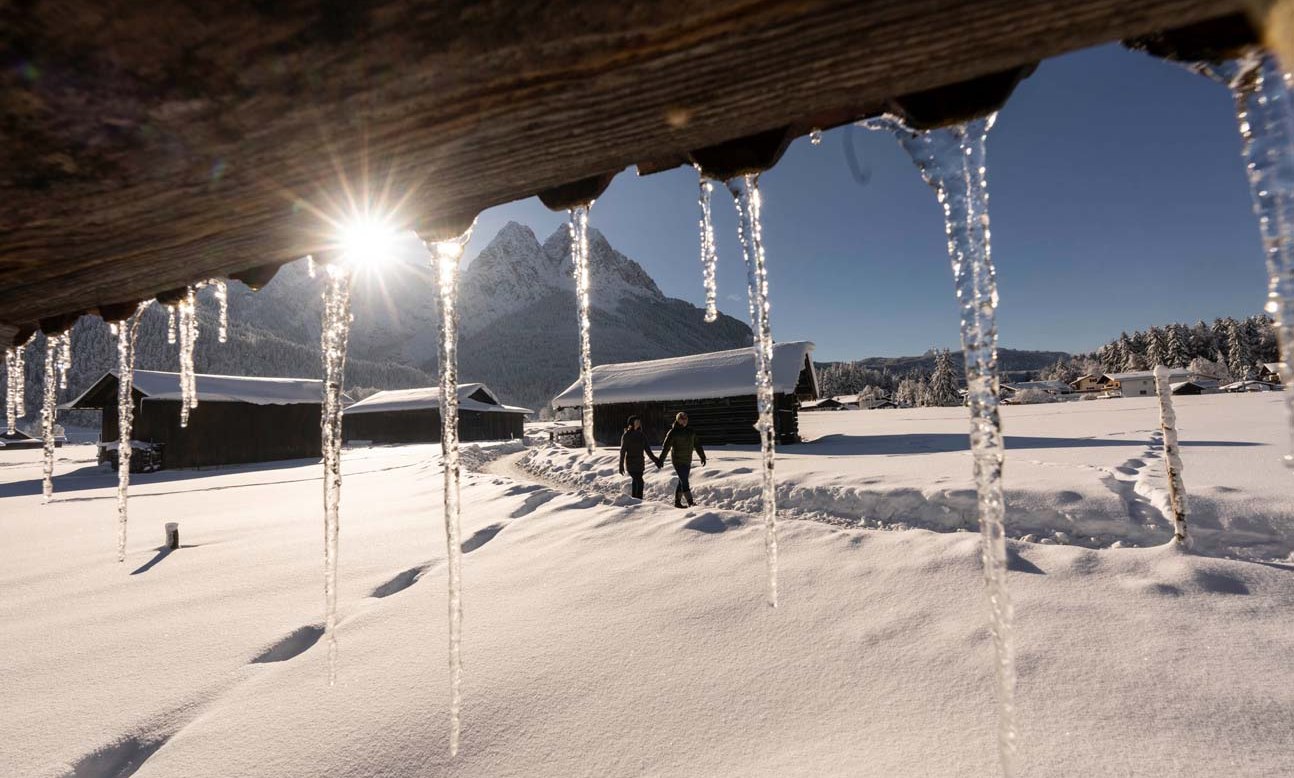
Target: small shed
[
  {"x": 19, "y": 440},
  {"x": 1250, "y": 385},
  {"x": 716, "y": 390},
  {"x": 239, "y": 419},
  {"x": 825, "y": 404},
  {"x": 413, "y": 416},
  {"x": 1270, "y": 372},
  {"x": 1196, "y": 386}
]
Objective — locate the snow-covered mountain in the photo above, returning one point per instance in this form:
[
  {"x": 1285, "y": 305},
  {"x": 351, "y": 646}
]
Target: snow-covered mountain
[{"x": 518, "y": 323}]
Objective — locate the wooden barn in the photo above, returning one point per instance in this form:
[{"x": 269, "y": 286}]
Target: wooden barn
[
  {"x": 413, "y": 416},
  {"x": 717, "y": 390},
  {"x": 238, "y": 419}
]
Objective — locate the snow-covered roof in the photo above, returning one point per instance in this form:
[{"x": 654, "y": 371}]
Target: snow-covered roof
[
  {"x": 1046, "y": 386},
  {"x": 1173, "y": 372},
  {"x": 157, "y": 385},
  {"x": 697, "y": 377},
  {"x": 429, "y": 397}
]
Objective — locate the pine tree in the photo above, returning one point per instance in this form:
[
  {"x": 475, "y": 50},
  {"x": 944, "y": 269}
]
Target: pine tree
[
  {"x": 943, "y": 382},
  {"x": 1156, "y": 348},
  {"x": 1239, "y": 357},
  {"x": 1175, "y": 351}
]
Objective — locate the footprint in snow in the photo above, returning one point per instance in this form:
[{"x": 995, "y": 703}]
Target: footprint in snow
[
  {"x": 401, "y": 581},
  {"x": 301, "y": 640},
  {"x": 481, "y": 537}
]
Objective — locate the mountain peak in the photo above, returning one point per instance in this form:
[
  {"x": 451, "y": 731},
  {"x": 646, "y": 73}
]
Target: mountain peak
[{"x": 612, "y": 275}]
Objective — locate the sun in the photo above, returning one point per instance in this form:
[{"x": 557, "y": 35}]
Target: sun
[{"x": 366, "y": 243}]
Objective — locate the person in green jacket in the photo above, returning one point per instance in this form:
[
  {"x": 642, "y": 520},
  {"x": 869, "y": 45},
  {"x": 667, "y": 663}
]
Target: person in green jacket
[{"x": 679, "y": 443}]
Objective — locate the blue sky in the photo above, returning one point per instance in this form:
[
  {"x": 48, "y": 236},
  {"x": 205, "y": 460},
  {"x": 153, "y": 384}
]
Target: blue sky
[{"x": 1118, "y": 201}]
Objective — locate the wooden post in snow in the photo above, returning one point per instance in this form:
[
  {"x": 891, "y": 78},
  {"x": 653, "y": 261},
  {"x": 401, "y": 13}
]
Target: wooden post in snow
[
  {"x": 1172, "y": 454},
  {"x": 172, "y": 534}
]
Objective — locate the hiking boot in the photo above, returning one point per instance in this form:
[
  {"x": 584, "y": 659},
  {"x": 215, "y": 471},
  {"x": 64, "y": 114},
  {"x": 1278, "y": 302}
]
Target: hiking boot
[{"x": 678, "y": 499}]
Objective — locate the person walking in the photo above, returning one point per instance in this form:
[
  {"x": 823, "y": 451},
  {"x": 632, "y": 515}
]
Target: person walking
[
  {"x": 679, "y": 443},
  {"x": 633, "y": 445}
]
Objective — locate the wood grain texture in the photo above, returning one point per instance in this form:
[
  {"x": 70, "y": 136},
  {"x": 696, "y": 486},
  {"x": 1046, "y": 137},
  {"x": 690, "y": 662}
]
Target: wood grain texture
[{"x": 144, "y": 146}]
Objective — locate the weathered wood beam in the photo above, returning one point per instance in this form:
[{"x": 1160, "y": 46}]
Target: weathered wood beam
[{"x": 146, "y": 146}]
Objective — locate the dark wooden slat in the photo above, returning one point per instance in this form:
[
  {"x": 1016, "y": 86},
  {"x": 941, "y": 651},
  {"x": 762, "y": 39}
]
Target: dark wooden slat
[{"x": 144, "y": 146}]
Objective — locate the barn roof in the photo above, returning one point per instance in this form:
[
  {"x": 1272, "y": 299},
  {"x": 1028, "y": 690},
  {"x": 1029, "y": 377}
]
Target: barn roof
[
  {"x": 696, "y": 377},
  {"x": 1173, "y": 372},
  {"x": 157, "y": 385},
  {"x": 471, "y": 397}
]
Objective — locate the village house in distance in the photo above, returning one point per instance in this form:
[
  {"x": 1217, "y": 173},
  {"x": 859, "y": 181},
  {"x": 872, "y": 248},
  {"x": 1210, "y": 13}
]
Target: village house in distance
[
  {"x": 413, "y": 416},
  {"x": 714, "y": 389}
]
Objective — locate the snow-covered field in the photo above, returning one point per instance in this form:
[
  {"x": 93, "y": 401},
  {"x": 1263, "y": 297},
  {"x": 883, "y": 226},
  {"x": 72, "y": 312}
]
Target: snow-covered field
[
  {"x": 606, "y": 637},
  {"x": 1086, "y": 473}
]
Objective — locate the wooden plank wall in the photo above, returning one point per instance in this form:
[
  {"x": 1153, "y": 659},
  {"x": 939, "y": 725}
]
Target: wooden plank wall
[{"x": 146, "y": 146}]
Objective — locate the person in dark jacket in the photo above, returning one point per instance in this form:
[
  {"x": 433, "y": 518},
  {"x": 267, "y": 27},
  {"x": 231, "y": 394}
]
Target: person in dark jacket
[
  {"x": 633, "y": 445},
  {"x": 679, "y": 443}
]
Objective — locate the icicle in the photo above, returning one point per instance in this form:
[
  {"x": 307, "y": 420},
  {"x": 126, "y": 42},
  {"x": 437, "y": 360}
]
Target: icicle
[
  {"x": 445, "y": 259},
  {"x": 47, "y": 411},
  {"x": 815, "y": 136},
  {"x": 127, "y": 333},
  {"x": 745, "y": 192},
  {"x": 709, "y": 254},
  {"x": 188, "y": 326},
  {"x": 335, "y": 334},
  {"x": 951, "y": 160},
  {"x": 64, "y": 357},
  {"x": 170, "y": 324},
  {"x": 1172, "y": 453},
  {"x": 11, "y": 387},
  {"x": 222, "y": 300},
  {"x": 579, "y": 227},
  {"x": 15, "y": 399},
  {"x": 1262, "y": 92},
  {"x": 310, "y": 265}
]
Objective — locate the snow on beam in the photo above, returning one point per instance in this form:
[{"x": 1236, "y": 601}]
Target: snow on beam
[{"x": 166, "y": 143}]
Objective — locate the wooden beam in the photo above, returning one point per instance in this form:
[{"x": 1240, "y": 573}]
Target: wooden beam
[{"x": 146, "y": 146}]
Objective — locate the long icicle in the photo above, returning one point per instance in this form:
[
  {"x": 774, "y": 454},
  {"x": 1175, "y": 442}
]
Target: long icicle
[
  {"x": 445, "y": 258},
  {"x": 64, "y": 357},
  {"x": 745, "y": 192},
  {"x": 170, "y": 325},
  {"x": 1265, "y": 114},
  {"x": 11, "y": 386},
  {"x": 709, "y": 252},
  {"x": 952, "y": 161},
  {"x": 188, "y": 325},
  {"x": 334, "y": 337},
  {"x": 127, "y": 335},
  {"x": 222, "y": 301},
  {"x": 1172, "y": 453},
  {"x": 579, "y": 228},
  {"x": 16, "y": 402},
  {"x": 47, "y": 411}
]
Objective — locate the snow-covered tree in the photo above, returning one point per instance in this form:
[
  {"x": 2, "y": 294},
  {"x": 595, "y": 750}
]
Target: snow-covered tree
[
  {"x": 1207, "y": 368},
  {"x": 1175, "y": 351},
  {"x": 943, "y": 382},
  {"x": 1156, "y": 347},
  {"x": 1239, "y": 357}
]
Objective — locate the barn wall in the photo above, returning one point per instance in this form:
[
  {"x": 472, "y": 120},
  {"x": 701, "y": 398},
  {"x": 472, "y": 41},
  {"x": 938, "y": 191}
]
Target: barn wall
[
  {"x": 225, "y": 433},
  {"x": 718, "y": 421},
  {"x": 423, "y": 426}
]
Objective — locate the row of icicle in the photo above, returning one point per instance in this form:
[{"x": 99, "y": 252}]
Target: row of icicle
[{"x": 952, "y": 161}]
